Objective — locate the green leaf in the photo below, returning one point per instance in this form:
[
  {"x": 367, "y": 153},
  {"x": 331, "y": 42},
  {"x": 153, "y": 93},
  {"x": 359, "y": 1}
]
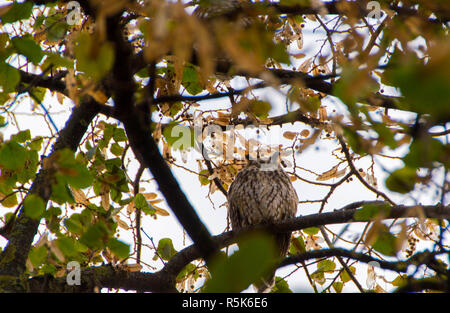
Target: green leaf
[
  {"x": 178, "y": 136},
  {"x": 72, "y": 171},
  {"x": 402, "y": 180},
  {"x": 36, "y": 143},
  {"x": 56, "y": 29},
  {"x": 116, "y": 149},
  {"x": 354, "y": 84},
  {"x": 57, "y": 60},
  {"x": 13, "y": 155},
  {"x": 9, "y": 77},
  {"x": 337, "y": 286},
  {"x": 61, "y": 193},
  {"x": 203, "y": 177},
  {"x": 385, "y": 135},
  {"x": 326, "y": 265},
  {"x": 281, "y": 286},
  {"x": 119, "y": 248},
  {"x": 319, "y": 277},
  {"x": 29, "y": 48},
  {"x": 260, "y": 108},
  {"x": 297, "y": 245},
  {"x": 345, "y": 277},
  {"x": 355, "y": 141},
  {"x": 93, "y": 58},
  {"x": 119, "y": 134},
  {"x": 385, "y": 242},
  {"x": 2, "y": 121},
  {"x": 424, "y": 85},
  {"x": 38, "y": 255},
  {"x": 95, "y": 236},
  {"x": 191, "y": 80},
  {"x": 18, "y": 11},
  {"x": 21, "y": 136},
  {"x": 424, "y": 151},
  {"x": 188, "y": 269},
  {"x": 370, "y": 210},
  {"x": 400, "y": 280},
  {"x": 34, "y": 206},
  {"x": 165, "y": 249},
  {"x": 67, "y": 245},
  {"x": 74, "y": 224},
  {"x": 141, "y": 203},
  {"x": 311, "y": 230},
  {"x": 254, "y": 259},
  {"x": 10, "y": 201}
]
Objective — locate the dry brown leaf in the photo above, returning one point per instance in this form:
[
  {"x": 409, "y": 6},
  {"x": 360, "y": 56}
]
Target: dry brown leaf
[
  {"x": 60, "y": 273},
  {"x": 160, "y": 211},
  {"x": 223, "y": 121},
  {"x": 60, "y": 97},
  {"x": 308, "y": 141},
  {"x": 323, "y": 116},
  {"x": 290, "y": 135},
  {"x": 372, "y": 233},
  {"x": 328, "y": 174},
  {"x": 98, "y": 96},
  {"x": 130, "y": 207},
  {"x": 54, "y": 248},
  {"x": 305, "y": 133},
  {"x": 149, "y": 195},
  {"x": 156, "y": 201},
  {"x": 121, "y": 223},
  {"x": 42, "y": 240},
  {"x": 304, "y": 67},
  {"x": 79, "y": 196}
]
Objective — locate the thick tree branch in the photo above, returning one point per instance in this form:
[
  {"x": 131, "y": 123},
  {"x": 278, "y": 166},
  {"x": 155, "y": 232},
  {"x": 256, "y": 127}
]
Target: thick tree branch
[
  {"x": 38, "y": 80},
  {"x": 20, "y": 238},
  {"x": 164, "y": 280},
  {"x": 145, "y": 147},
  {"x": 343, "y": 215}
]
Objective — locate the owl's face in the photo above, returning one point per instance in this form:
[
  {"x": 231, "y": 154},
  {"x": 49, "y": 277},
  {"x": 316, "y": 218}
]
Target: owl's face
[{"x": 271, "y": 163}]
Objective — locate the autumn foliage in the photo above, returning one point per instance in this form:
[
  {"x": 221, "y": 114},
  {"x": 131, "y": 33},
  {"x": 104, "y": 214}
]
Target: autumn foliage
[{"x": 355, "y": 98}]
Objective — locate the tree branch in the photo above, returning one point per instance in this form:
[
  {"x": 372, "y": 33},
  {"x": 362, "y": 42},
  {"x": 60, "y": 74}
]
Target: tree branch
[
  {"x": 144, "y": 146},
  {"x": 14, "y": 256},
  {"x": 164, "y": 280}
]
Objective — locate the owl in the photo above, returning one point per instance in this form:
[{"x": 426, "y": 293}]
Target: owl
[{"x": 262, "y": 193}]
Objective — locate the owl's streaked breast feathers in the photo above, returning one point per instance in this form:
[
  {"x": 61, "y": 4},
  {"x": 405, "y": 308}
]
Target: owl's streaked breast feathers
[{"x": 259, "y": 196}]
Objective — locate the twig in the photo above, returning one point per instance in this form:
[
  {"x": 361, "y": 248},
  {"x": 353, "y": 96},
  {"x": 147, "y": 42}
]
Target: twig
[{"x": 154, "y": 246}]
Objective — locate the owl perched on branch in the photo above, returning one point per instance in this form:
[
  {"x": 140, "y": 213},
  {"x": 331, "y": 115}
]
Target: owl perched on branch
[{"x": 262, "y": 193}]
